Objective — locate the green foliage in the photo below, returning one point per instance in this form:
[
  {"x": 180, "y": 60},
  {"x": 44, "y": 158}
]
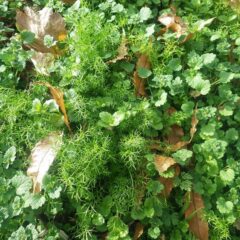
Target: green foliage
[
  {"x": 104, "y": 178},
  {"x": 84, "y": 158}
]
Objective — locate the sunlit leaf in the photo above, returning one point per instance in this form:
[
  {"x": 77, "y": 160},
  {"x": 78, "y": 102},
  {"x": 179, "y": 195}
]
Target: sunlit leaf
[
  {"x": 138, "y": 232},
  {"x": 42, "y": 157},
  {"x": 42, "y": 62},
  {"x": 42, "y": 23},
  {"x": 173, "y": 22},
  {"x": 162, "y": 163},
  {"x": 57, "y": 94}
]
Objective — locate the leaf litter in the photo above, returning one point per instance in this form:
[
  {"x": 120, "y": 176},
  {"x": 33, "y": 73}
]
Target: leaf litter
[{"x": 42, "y": 157}]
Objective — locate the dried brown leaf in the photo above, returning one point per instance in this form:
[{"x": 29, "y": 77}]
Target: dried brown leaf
[
  {"x": 139, "y": 83},
  {"x": 42, "y": 157},
  {"x": 138, "y": 232},
  {"x": 179, "y": 145},
  {"x": 194, "y": 124},
  {"x": 175, "y": 134},
  {"x": 173, "y": 22},
  {"x": 122, "y": 52},
  {"x": 42, "y": 23},
  {"x": 69, "y": 1},
  {"x": 163, "y": 163},
  {"x": 42, "y": 61},
  {"x": 57, "y": 95},
  {"x": 143, "y": 62},
  {"x": 168, "y": 182},
  {"x": 194, "y": 214}
]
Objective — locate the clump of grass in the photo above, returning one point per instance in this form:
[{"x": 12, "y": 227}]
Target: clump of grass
[{"x": 83, "y": 160}]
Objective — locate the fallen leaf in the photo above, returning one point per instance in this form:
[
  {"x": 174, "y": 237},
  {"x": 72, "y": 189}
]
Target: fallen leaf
[
  {"x": 42, "y": 61},
  {"x": 139, "y": 83},
  {"x": 42, "y": 157},
  {"x": 138, "y": 232},
  {"x": 175, "y": 134},
  {"x": 194, "y": 124},
  {"x": 174, "y": 137},
  {"x": 179, "y": 145},
  {"x": 168, "y": 182},
  {"x": 193, "y": 129},
  {"x": 42, "y": 23},
  {"x": 163, "y": 163},
  {"x": 57, "y": 94},
  {"x": 194, "y": 215},
  {"x": 69, "y": 1},
  {"x": 173, "y": 22},
  {"x": 122, "y": 52}
]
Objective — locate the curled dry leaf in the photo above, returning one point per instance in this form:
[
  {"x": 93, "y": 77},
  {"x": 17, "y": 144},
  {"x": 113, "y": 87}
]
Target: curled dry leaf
[
  {"x": 163, "y": 163},
  {"x": 42, "y": 157},
  {"x": 194, "y": 124},
  {"x": 176, "y": 24},
  {"x": 194, "y": 214},
  {"x": 42, "y": 23},
  {"x": 122, "y": 52},
  {"x": 57, "y": 94},
  {"x": 178, "y": 146},
  {"x": 139, "y": 83},
  {"x": 168, "y": 182},
  {"x": 173, "y": 22},
  {"x": 138, "y": 232},
  {"x": 193, "y": 129},
  {"x": 176, "y": 133}
]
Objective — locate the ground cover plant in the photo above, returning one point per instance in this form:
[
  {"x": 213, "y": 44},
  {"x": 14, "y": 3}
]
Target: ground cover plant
[{"x": 119, "y": 119}]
